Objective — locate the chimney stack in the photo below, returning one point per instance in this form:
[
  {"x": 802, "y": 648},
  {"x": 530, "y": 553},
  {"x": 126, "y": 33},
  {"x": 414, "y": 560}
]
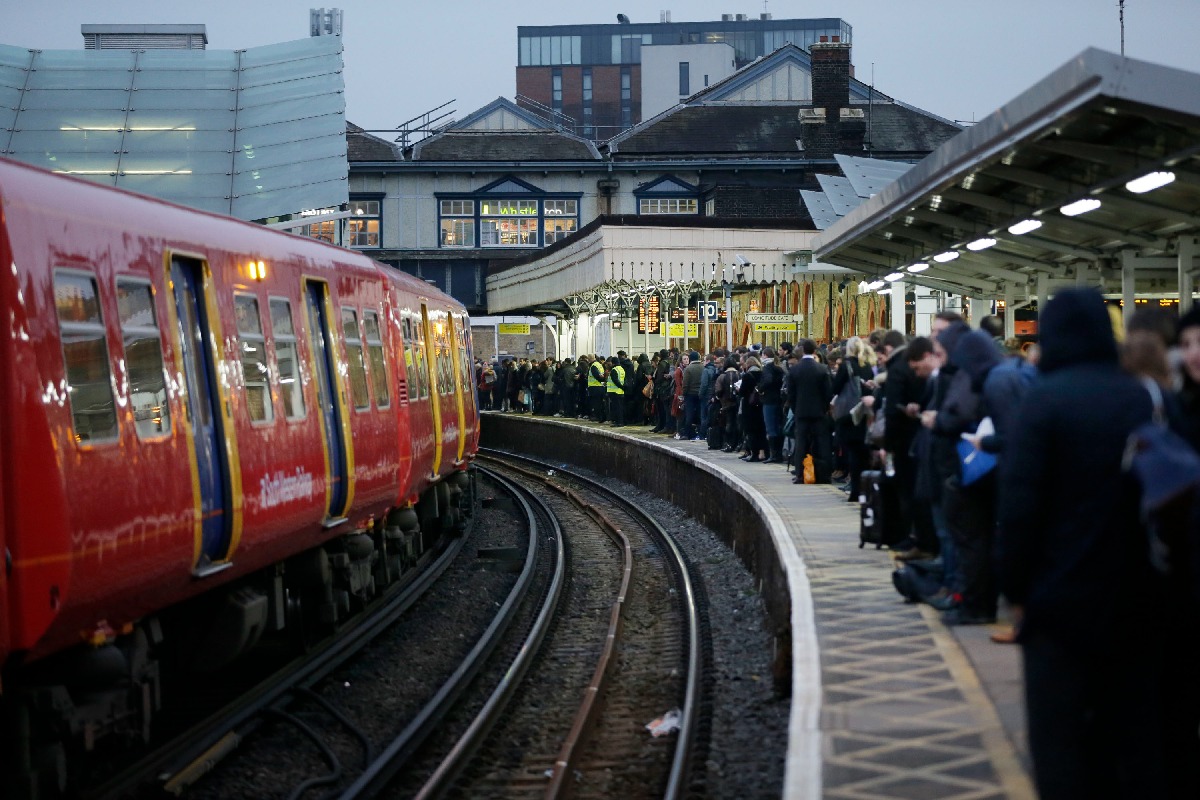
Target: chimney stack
[{"x": 830, "y": 74}]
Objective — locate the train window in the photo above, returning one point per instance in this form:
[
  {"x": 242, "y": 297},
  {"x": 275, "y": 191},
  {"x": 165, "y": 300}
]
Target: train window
[
  {"x": 286, "y": 358},
  {"x": 354, "y": 359},
  {"x": 85, "y": 355},
  {"x": 379, "y": 376},
  {"x": 255, "y": 373},
  {"x": 414, "y": 359},
  {"x": 143, "y": 359}
]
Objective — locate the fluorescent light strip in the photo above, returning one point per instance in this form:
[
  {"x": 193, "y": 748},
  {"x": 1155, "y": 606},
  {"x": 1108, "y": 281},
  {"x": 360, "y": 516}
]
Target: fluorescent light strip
[
  {"x": 1025, "y": 226},
  {"x": 874, "y": 285},
  {"x": 1080, "y": 207},
  {"x": 949, "y": 255},
  {"x": 981, "y": 244},
  {"x": 884, "y": 291},
  {"x": 895, "y": 276},
  {"x": 1150, "y": 182},
  {"x": 918, "y": 267}
]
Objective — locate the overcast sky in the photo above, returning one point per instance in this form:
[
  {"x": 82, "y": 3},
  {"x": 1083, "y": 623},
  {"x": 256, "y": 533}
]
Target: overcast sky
[{"x": 961, "y": 59}]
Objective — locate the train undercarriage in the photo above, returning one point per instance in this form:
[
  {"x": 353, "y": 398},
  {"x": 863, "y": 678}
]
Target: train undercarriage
[{"x": 73, "y": 715}]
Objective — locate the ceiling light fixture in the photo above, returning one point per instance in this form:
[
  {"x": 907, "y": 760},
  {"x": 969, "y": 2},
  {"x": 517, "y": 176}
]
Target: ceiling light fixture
[
  {"x": 1025, "y": 226},
  {"x": 1080, "y": 207},
  {"x": 884, "y": 291},
  {"x": 949, "y": 255},
  {"x": 873, "y": 285},
  {"x": 920, "y": 266},
  {"x": 895, "y": 276},
  {"x": 1149, "y": 182},
  {"x": 981, "y": 244}
]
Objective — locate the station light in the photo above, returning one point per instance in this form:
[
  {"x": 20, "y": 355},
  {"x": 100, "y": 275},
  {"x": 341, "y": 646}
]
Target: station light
[
  {"x": 895, "y": 276},
  {"x": 1025, "y": 226},
  {"x": 1149, "y": 182},
  {"x": 942, "y": 258},
  {"x": 920, "y": 266},
  {"x": 1080, "y": 207},
  {"x": 981, "y": 244},
  {"x": 885, "y": 291},
  {"x": 874, "y": 285}
]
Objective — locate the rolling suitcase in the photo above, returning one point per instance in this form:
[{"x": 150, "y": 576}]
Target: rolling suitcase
[
  {"x": 879, "y": 510},
  {"x": 716, "y": 435}
]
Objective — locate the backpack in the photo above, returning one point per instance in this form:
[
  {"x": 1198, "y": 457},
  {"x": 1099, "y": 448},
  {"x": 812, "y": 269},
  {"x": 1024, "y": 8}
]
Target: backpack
[{"x": 1167, "y": 472}]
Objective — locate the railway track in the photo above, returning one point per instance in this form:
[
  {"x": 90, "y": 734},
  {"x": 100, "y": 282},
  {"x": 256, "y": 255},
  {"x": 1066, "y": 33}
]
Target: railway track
[
  {"x": 598, "y": 632},
  {"x": 578, "y": 727}
]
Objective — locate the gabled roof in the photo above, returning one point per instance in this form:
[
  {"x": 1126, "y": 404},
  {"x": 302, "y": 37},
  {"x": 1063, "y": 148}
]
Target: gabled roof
[
  {"x": 504, "y": 115},
  {"x": 755, "y": 112},
  {"x": 362, "y": 146},
  {"x": 786, "y": 66},
  {"x": 667, "y": 184},
  {"x": 503, "y": 131}
]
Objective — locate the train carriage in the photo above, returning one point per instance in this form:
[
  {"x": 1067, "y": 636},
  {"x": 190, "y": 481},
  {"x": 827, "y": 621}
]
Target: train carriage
[{"x": 208, "y": 427}]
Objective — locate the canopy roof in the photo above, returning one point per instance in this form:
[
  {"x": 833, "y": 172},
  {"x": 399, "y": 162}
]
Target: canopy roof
[{"x": 1083, "y": 132}]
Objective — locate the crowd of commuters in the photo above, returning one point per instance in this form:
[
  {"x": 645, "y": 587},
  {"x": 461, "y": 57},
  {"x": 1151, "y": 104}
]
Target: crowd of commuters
[{"x": 1104, "y": 600}]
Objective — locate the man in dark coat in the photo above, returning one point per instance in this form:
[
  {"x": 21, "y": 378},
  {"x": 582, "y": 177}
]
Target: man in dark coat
[
  {"x": 903, "y": 393},
  {"x": 810, "y": 388},
  {"x": 1075, "y": 557}
]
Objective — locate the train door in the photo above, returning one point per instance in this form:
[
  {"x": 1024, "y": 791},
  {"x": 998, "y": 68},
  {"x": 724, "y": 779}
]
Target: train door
[
  {"x": 464, "y": 373},
  {"x": 432, "y": 360},
  {"x": 329, "y": 401},
  {"x": 203, "y": 410}
]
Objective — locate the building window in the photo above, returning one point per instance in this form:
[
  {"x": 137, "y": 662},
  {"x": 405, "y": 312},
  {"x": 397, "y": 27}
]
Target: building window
[
  {"x": 458, "y": 223},
  {"x": 325, "y": 231},
  {"x": 588, "y": 129},
  {"x": 626, "y": 97},
  {"x": 544, "y": 51},
  {"x": 253, "y": 349},
  {"x": 556, "y": 90},
  {"x": 667, "y": 205},
  {"x": 560, "y": 221},
  {"x": 85, "y": 356},
  {"x": 685, "y": 79},
  {"x": 286, "y": 360},
  {"x": 710, "y": 207},
  {"x": 508, "y": 223},
  {"x": 362, "y": 229},
  {"x": 143, "y": 359}
]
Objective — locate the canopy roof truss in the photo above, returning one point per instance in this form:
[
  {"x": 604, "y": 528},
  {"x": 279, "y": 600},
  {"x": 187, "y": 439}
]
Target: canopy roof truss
[{"x": 1082, "y": 133}]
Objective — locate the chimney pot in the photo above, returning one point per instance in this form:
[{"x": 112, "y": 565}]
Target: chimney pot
[
  {"x": 837, "y": 38},
  {"x": 824, "y": 38}
]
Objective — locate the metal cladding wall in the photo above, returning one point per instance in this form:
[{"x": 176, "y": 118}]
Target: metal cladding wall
[{"x": 700, "y": 489}]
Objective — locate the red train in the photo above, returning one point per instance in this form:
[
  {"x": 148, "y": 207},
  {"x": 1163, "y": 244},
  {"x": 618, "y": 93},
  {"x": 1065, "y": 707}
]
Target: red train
[{"x": 210, "y": 431}]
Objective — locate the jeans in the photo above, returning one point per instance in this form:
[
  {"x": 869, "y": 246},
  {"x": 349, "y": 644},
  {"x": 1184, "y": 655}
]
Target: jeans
[{"x": 773, "y": 420}]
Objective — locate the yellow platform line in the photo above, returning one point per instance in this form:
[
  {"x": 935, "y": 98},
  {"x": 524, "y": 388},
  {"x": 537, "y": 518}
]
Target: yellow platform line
[{"x": 1013, "y": 778}]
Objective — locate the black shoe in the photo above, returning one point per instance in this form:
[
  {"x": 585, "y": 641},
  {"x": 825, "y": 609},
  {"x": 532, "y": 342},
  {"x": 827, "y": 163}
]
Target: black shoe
[
  {"x": 754, "y": 459},
  {"x": 656, "y": 430},
  {"x": 960, "y": 616},
  {"x": 727, "y": 449}
]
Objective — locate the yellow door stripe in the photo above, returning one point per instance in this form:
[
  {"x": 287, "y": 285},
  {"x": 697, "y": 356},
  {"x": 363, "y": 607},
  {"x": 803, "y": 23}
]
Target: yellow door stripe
[{"x": 435, "y": 394}]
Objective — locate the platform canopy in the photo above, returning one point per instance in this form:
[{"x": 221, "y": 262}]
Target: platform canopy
[{"x": 1067, "y": 162}]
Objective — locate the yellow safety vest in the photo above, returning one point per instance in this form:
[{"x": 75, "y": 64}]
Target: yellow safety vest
[
  {"x": 617, "y": 387},
  {"x": 595, "y": 375}
]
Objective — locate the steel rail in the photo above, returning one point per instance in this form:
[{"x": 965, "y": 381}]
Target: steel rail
[
  {"x": 689, "y": 720},
  {"x": 455, "y": 761},
  {"x": 394, "y": 756},
  {"x": 197, "y": 751}
]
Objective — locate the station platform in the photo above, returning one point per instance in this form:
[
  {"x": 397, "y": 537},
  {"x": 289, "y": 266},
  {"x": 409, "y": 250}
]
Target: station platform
[{"x": 887, "y": 702}]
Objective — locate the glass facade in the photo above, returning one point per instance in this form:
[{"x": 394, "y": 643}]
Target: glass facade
[
  {"x": 552, "y": 45},
  {"x": 255, "y": 133}
]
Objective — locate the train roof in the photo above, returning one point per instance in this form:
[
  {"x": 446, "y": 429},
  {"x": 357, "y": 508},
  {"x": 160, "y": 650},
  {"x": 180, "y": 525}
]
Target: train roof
[{"x": 181, "y": 226}]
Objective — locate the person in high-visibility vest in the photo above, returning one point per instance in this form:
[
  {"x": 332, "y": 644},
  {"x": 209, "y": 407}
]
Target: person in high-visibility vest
[
  {"x": 616, "y": 392},
  {"x": 595, "y": 384}
]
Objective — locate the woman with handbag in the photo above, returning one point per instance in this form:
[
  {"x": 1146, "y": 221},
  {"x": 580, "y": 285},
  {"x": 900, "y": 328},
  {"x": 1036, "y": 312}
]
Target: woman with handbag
[
  {"x": 850, "y": 384},
  {"x": 754, "y": 425}
]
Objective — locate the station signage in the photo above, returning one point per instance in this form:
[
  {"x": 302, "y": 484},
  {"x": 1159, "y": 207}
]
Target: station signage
[
  {"x": 521, "y": 329},
  {"x": 773, "y": 323},
  {"x": 649, "y": 314},
  {"x": 675, "y": 330}
]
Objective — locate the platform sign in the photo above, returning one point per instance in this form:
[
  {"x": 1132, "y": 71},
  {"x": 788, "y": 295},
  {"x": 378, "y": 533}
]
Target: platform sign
[
  {"x": 521, "y": 329},
  {"x": 649, "y": 315},
  {"x": 678, "y": 314},
  {"x": 675, "y": 330},
  {"x": 775, "y": 318},
  {"x": 774, "y": 327},
  {"x": 708, "y": 310}
]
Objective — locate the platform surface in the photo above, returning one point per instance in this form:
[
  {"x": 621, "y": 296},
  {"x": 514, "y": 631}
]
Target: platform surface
[{"x": 909, "y": 708}]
